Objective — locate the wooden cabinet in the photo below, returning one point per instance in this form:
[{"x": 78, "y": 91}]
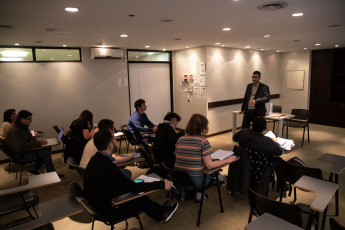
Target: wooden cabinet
[{"x": 327, "y": 87}]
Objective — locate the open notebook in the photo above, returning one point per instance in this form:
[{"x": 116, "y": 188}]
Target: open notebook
[
  {"x": 221, "y": 154},
  {"x": 55, "y": 140}
]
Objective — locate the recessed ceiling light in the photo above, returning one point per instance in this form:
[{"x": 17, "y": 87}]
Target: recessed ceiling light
[
  {"x": 297, "y": 14},
  {"x": 267, "y": 35},
  {"x": 317, "y": 44},
  {"x": 124, "y": 35},
  {"x": 217, "y": 43},
  {"x": 261, "y": 49},
  {"x": 247, "y": 47},
  {"x": 187, "y": 47},
  {"x": 64, "y": 45},
  {"x": 305, "y": 48},
  {"x": 147, "y": 46},
  {"x": 336, "y": 45},
  {"x": 223, "y": 45},
  {"x": 226, "y": 28},
  {"x": 69, "y": 55},
  {"x": 163, "y": 49},
  {"x": 71, "y": 9},
  {"x": 277, "y": 51},
  {"x": 16, "y": 44}
]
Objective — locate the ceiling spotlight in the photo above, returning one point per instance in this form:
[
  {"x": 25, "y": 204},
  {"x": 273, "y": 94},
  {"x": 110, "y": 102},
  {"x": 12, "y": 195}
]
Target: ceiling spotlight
[
  {"x": 187, "y": 47},
  {"x": 336, "y": 45},
  {"x": 267, "y": 35},
  {"x": 163, "y": 49},
  {"x": 247, "y": 47},
  {"x": 277, "y": 51},
  {"x": 317, "y": 44},
  {"x": 71, "y": 9},
  {"x": 124, "y": 35},
  {"x": 217, "y": 43},
  {"x": 261, "y": 49},
  {"x": 64, "y": 45},
  {"x": 16, "y": 44},
  {"x": 147, "y": 46},
  {"x": 226, "y": 28},
  {"x": 305, "y": 48},
  {"x": 297, "y": 14}
]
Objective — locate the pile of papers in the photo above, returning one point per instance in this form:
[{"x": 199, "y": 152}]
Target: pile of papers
[
  {"x": 284, "y": 143},
  {"x": 147, "y": 178},
  {"x": 221, "y": 154}
]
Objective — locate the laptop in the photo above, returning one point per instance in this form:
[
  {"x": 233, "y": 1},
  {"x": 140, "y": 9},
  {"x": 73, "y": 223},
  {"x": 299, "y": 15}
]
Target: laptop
[{"x": 55, "y": 140}]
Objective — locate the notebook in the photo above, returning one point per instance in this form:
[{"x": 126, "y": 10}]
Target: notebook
[{"x": 55, "y": 140}]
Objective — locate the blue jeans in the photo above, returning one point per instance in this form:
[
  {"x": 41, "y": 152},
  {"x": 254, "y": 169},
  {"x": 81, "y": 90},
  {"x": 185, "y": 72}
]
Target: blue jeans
[
  {"x": 198, "y": 181},
  {"x": 41, "y": 157}
]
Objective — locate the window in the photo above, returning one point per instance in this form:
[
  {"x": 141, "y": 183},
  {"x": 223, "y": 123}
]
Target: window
[
  {"x": 148, "y": 56},
  {"x": 24, "y": 54}
]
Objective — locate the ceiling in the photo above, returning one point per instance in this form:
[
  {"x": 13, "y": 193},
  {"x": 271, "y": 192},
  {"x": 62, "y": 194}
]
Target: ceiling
[{"x": 173, "y": 24}]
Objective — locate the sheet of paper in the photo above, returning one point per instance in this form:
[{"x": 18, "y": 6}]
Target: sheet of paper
[
  {"x": 147, "y": 178},
  {"x": 221, "y": 154}
]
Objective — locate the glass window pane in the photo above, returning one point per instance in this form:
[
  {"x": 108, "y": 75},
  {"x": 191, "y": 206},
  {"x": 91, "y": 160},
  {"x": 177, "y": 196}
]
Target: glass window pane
[
  {"x": 15, "y": 54},
  {"x": 49, "y": 54},
  {"x": 149, "y": 56}
]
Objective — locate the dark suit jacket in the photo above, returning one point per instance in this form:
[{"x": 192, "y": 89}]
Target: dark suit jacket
[
  {"x": 262, "y": 96},
  {"x": 103, "y": 181}
]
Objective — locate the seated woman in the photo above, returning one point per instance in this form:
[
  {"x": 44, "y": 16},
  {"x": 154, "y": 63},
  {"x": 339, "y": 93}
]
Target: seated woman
[
  {"x": 166, "y": 138},
  {"x": 10, "y": 116},
  {"x": 79, "y": 132},
  {"x": 193, "y": 152}
]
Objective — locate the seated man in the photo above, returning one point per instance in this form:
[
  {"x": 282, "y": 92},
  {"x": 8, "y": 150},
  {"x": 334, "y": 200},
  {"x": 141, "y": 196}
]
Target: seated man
[
  {"x": 90, "y": 148},
  {"x": 264, "y": 154},
  {"x": 166, "y": 138},
  {"x": 255, "y": 140},
  {"x": 24, "y": 146},
  {"x": 139, "y": 120},
  {"x": 103, "y": 181}
]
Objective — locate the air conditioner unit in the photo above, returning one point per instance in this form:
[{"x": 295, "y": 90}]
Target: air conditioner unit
[{"x": 106, "y": 53}]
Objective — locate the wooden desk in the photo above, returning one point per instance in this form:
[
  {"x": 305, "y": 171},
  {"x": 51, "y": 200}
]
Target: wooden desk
[
  {"x": 279, "y": 117},
  {"x": 132, "y": 161},
  {"x": 339, "y": 166},
  {"x": 52, "y": 211},
  {"x": 269, "y": 222},
  {"x": 207, "y": 172},
  {"x": 324, "y": 192},
  {"x": 36, "y": 181}
]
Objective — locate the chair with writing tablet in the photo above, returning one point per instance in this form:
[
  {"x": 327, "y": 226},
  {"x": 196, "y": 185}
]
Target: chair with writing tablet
[
  {"x": 77, "y": 192},
  {"x": 301, "y": 120},
  {"x": 292, "y": 213},
  {"x": 71, "y": 162}
]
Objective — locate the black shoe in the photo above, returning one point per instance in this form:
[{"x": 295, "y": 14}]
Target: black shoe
[
  {"x": 33, "y": 173},
  {"x": 167, "y": 204},
  {"x": 61, "y": 176},
  {"x": 167, "y": 215}
]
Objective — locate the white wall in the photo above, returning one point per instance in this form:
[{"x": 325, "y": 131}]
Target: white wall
[
  {"x": 187, "y": 62},
  {"x": 56, "y": 93},
  {"x": 228, "y": 73},
  {"x": 294, "y": 99}
]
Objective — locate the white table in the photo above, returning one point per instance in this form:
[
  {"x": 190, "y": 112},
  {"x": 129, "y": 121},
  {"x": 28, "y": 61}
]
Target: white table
[
  {"x": 324, "y": 192},
  {"x": 36, "y": 181},
  {"x": 279, "y": 117},
  {"x": 275, "y": 116},
  {"x": 234, "y": 121},
  {"x": 269, "y": 222}
]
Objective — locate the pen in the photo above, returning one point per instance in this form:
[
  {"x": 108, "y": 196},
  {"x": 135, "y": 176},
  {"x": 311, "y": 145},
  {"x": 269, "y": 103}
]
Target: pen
[{"x": 171, "y": 185}]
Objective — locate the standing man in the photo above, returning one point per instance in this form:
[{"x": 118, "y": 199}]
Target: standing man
[
  {"x": 257, "y": 94},
  {"x": 25, "y": 147},
  {"x": 139, "y": 120}
]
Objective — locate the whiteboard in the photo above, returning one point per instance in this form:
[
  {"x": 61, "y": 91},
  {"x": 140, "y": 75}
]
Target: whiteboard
[
  {"x": 295, "y": 79},
  {"x": 151, "y": 81}
]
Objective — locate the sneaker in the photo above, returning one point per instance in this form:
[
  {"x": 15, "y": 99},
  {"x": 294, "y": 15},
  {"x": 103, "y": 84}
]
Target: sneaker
[
  {"x": 198, "y": 197},
  {"x": 167, "y": 204},
  {"x": 61, "y": 176},
  {"x": 33, "y": 173},
  {"x": 167, "y": 215}
]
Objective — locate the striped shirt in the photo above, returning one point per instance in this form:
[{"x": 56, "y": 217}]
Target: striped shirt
[{"x": 189, "y": 153}]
